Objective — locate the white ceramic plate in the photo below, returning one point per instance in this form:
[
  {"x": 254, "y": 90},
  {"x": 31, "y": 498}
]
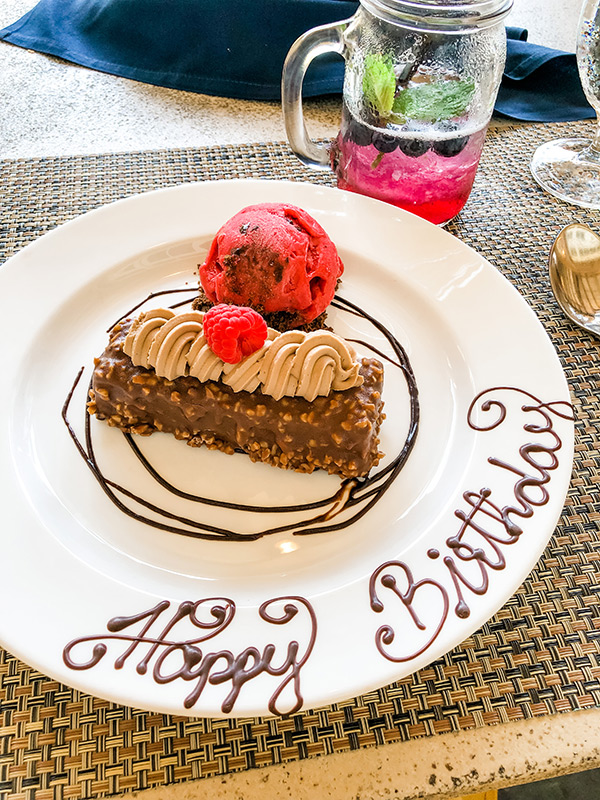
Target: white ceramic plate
[{"x": 449, "y": 542}]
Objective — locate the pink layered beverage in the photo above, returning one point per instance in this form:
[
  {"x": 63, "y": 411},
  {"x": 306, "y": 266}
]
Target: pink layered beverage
[{"x": 429, "y": 171}]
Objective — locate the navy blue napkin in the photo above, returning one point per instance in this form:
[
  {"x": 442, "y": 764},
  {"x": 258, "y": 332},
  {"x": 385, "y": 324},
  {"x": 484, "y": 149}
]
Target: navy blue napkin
[
  {"x": 236, "y": 48},
  {"x": 540, "y": 84},
  {"x": 230, "y": 48}
]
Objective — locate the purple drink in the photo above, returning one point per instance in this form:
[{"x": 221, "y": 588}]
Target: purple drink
[{"x": 428, "y": 169}]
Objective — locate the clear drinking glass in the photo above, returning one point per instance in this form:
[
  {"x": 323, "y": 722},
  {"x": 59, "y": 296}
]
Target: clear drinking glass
[
  {"x": 421, "y": 78},
  {"x": 570, "y": 168}
]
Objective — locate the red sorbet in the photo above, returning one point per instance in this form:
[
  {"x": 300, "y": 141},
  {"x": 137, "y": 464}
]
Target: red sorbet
[{"x": 272, "y": 257}]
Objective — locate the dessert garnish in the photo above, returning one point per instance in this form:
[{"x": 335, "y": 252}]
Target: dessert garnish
[{"x": 233, "y": 332}]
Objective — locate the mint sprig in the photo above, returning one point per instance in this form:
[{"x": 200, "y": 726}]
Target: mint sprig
[
  {"x": 379, "y": 83},
  {"x": 430, "y": 102}
]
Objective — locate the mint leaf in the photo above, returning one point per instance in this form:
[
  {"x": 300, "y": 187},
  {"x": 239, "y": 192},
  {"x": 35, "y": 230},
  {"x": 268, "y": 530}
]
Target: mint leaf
[
  {"x": 379, "y": 83},
  {"x": 430, "y": 102}
]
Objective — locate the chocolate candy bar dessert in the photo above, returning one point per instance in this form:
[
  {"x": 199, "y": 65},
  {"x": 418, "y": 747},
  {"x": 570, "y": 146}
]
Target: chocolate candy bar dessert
[{"x": 278, "y": 404}]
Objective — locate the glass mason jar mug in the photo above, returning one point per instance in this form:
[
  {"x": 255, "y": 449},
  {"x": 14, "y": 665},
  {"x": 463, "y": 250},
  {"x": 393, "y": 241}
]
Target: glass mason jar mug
[{"x": 421, "y": 79}]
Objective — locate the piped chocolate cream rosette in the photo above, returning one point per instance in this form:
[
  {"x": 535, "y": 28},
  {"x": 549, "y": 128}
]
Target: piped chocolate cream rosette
[
  {"x": 290, "y": 364},
  {"x": 295, "y": 400}
]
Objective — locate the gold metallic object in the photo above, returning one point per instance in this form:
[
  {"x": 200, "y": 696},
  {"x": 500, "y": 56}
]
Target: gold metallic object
[{"x": 574, "y": 268}]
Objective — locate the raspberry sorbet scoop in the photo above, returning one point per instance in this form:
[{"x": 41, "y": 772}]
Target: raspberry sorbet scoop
[{"x": 273, "y": 257}]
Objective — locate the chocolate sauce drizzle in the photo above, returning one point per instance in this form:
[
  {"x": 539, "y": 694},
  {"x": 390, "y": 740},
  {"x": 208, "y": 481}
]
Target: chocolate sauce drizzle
[
  {"x": 187, "y": 658},
  {"x": 357, "y": 495},
  {"x": 486, "y": 528}
]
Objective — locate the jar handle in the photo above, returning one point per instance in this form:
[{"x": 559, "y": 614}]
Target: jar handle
[{"x": 313, "y": 43}]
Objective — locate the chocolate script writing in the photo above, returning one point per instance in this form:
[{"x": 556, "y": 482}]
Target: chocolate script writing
[
  {"x": 486, "y": 528},
  {"x": 157, "y": 647}
]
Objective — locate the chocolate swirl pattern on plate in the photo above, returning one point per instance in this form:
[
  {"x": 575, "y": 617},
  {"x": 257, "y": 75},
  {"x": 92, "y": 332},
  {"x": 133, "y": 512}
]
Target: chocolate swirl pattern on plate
[{"x": 353, "y": 498}]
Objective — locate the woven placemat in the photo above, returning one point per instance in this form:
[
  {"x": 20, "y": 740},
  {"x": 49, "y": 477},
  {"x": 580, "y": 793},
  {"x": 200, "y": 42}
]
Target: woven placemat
[{"x": 539, "y": 655}]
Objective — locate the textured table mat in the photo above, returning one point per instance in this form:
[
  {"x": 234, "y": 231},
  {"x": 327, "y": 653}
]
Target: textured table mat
[{"x": 539, "y": 655}]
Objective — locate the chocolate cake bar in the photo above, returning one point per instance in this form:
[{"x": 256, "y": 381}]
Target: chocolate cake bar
[{"x": 338, "y": 433}]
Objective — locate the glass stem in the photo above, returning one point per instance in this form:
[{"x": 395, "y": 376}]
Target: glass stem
[{"x": 592, "y": 153}]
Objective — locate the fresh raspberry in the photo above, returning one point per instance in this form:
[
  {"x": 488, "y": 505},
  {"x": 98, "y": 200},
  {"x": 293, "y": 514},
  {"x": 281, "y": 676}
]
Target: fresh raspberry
[{"x": 234, "y": 332}]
